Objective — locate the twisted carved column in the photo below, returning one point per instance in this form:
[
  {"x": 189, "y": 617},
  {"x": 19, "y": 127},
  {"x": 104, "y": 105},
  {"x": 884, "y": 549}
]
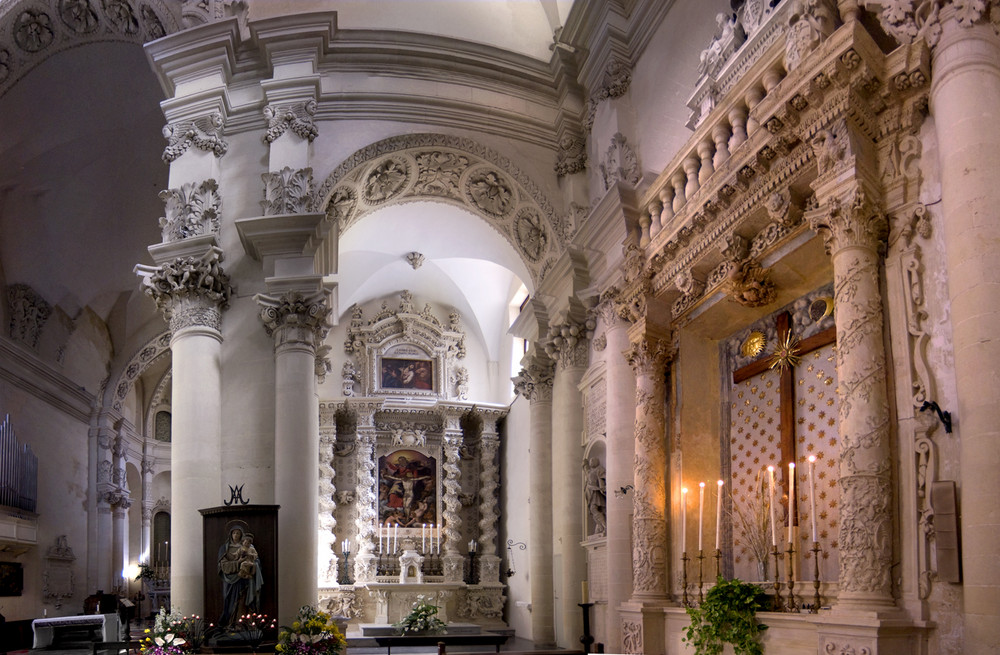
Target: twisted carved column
[
  {"x": 367, "y": 499},
  {"x": 535, "y": 384},
  {"x": 648, "y": 358},
  {"x": 327, "y": 504},
  {"x": 192, "y": 292},
  {"x": 298, "y": 323},
  {"x": 489, "y": 563},
  {"x": 452, "y": 529},
  {"x": 854, "y": 228}
]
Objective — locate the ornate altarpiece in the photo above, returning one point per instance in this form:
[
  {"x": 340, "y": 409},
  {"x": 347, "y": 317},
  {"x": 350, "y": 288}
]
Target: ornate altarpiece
[{"x": 402, "y": 450}]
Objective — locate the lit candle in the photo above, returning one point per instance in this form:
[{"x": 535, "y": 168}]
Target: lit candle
[
  {"x": 380, "y": 538},
  {"x": 770, "y": 488},
  {"x": 701, "y": 506},
  {"x": 684, "y": 492},
  {"x": 718, "y": 516},
  {"x": 812, "y": 495},
  {"x": 791, "y": 500},
  {"x": 423, "y": 537},
  {"x": 395, "y": 537}
]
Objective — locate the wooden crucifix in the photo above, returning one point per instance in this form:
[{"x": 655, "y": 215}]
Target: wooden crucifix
[{"x": 785, "y": 361}]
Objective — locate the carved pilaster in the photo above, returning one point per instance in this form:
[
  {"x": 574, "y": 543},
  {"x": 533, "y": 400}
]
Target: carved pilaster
[
  {"x": 296, "y": 116},
  {"x": 367, "y": 499},
  {"x": 489, "y": 563},
  {"x": 648, "y": 357},
  {"x": 194, "y": 209},
  {"x": 190, "y": 291},
  {"x": 853, "y": 229},
  {"x": 327, "y": 501},
  {"x": 204, "y": 133},
  {"x": 288, "y": 191}
]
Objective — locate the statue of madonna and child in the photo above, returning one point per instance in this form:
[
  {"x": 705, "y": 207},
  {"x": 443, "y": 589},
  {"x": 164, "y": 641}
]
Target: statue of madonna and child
[{"x": 239, "y": 569}]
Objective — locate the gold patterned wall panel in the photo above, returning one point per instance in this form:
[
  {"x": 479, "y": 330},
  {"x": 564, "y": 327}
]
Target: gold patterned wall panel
[
  {"x": 816, "y": 410},
  {"x": 754, "y": 444}
]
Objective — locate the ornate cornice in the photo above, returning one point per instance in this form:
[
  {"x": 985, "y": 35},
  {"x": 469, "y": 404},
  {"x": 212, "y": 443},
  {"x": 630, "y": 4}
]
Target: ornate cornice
[
  {"x": 194, "y": 209},
  {"x": 288, "y": 191}
]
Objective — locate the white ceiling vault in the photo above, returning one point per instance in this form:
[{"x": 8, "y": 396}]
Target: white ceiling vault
[{"x": 80, "y": 141}]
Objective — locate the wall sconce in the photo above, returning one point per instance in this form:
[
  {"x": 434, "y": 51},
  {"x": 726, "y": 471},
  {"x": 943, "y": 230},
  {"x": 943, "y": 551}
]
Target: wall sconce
[
  {"x": 944, "y": 416},
  {"x": 510, "y": 556},
  {"x": 623, "y": 491}
]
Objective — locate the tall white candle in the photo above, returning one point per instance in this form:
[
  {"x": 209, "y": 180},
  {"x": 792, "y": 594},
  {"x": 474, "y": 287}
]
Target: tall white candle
[
  {"x": 812, "y": 495},
  {"x": 684, "y": 507},
  {"x": 791, "y": 500},
  {"x": 423, "y": 537},
  {"x": 770, "y": 491},
  {"x": 701, "y": 510},
  {"x": 718, "y": 516},
  {"x": 395, "y": 537}
]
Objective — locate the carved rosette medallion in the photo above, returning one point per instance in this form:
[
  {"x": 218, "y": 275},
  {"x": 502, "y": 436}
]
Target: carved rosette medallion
[
  {"x": 853, "y": 231},
  {"x": 386, "y": 181},
  {"x": 439, "y": 173},
  {"x": 490, "y": 192},
  {"x": 287, "y": 191},
  {"x": 529, "y": 230},
  {"x": 192, "y": 210},
  {"x": 648, "y": 358},
  {"x": 191, "y": 291}
]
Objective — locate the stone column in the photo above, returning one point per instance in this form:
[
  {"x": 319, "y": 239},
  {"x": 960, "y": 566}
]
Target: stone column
[
  {"x": 620, "y": 449},
  {"x": 568, "y": 344},
  {"x": 535, "y": 384},
  {"x": 298, "y": 323},
  {"x": 119, "y": 542},
  {"x": 367, "y": 494},
  {"x": 489, "y": 515},
  {"x": 853, "y": 228},
  {"x": 965, "y": 99},
  {"x": 192, "y": 291},
  {"x": 146, "y": 537},
  {"x": 641, "y": 617},
  {"x": 451, "y": 512}
]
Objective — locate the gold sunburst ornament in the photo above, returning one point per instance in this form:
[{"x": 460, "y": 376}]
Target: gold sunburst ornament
[
  {"x": 754, "y": 344},
  {"x": 786, "y": 352}
]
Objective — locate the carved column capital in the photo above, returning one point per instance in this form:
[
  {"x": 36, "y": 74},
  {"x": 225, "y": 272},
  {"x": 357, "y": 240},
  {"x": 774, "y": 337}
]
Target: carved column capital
[
  {"x": 295, "y": 318},
  {"x": 567, "y": 342},
  {"x": 909, "y": 21},
  {"x": 851, "y": 220},
  {"x": 204, "y": 133},
  {"x": 535, "y": 382},
  {"x": 190, "y": 291},
  {"x": 649, "y": 356},
  {"x": 295, "y": 116}
]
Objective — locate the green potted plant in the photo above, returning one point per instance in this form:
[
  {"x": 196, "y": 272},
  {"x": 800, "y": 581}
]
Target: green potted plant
[{"x": 727, "y": 616}]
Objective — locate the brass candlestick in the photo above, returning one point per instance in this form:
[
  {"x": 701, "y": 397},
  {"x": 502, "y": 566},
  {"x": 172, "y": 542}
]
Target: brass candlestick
[
  {"x": 778, "y": 605},
  {"x": 684, "y": 578},
  {"x": 701, "y": 580},
  {"x": 718, "y": 563},
  {"x": 816, "y": 600},
  {"x": 790, "y": 575}
]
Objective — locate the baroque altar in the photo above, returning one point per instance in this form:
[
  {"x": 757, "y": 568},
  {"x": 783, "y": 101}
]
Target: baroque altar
[{"x": 409, "y": 476}]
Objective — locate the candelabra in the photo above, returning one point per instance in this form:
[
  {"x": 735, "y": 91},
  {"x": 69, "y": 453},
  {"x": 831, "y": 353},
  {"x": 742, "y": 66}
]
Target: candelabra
[
  {"x": 777, "y": 581},
  {"x": 816, "y": 599},
  {"x": 701, "y": 579},
  {"x": 345, "y": 575},
  {"x": 471, "y": 578},
  {"x": 790, "y": 575},
  {"x": 684, "y": 578},
  {"x": 587, "y": 639},
  {"x": 718, "y": 563}
]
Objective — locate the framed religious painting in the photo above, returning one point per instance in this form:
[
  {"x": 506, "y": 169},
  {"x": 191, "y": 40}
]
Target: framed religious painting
[{"x": 407, "y": 374}]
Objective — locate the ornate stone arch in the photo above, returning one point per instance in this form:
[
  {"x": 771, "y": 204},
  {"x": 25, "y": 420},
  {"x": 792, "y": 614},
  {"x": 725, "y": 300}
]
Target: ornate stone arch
[
  {"x": 119, "y": 389},
  {"x": 454, "y": 170},
  {"x": 39, "y": 29}
]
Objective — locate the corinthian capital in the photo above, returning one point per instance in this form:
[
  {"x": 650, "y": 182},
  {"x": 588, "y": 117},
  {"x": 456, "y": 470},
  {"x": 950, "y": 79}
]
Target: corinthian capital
[
  {"x": 189, "y": 290},
  {"x": 287, "y": 191},
  {"x": 535, "y": 382},
  {"x": 851, "y": 220},
  {"x": 192, "y": 210},
  {"x": 296, "y": 316},
  {"x": 910, "y": 21},
  {"x": 649, "y": 355},
  {"x": 567, "y": 342}
]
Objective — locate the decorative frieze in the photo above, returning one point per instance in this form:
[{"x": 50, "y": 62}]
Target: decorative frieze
[
  {"x": 287, "y": 191},
  {"x": 204, "y": 133},
  {"x": 194, "y": 209},
  {"x": 296, "y": 116}
]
